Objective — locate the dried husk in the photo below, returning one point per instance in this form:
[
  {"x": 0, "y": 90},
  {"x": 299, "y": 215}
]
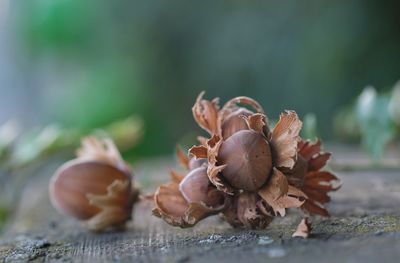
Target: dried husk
[
  {"x": 314, "y": 183},
  {"x": 284, "y": 139},
  {"x": 280, "y": 195},
  {"x": 263, "y": 171},
  {"x": 303, "y": 229},
  {"x": 246, "y": 210},
  {"x": 175, "y": 210}
]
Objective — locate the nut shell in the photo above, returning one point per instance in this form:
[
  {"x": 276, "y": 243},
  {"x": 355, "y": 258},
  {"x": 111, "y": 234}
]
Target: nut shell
[
  {"x": 247, "y": 157},
  {"x": 196, "y": 188},
  {"x": 75, "y": 179},
  {"x": 234, "y": 122},
  {"x": 196, "y": 163}
]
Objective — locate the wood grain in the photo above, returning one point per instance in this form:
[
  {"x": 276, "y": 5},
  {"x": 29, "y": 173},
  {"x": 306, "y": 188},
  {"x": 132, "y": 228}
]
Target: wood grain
[{"x": 364, "y": 227}]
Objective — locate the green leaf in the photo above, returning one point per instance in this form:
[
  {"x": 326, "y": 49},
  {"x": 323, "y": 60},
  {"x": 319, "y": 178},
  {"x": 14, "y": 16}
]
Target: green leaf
[{"x": 377, "y": 126}]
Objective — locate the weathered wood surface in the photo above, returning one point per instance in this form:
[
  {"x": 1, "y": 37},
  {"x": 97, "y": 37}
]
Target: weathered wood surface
[{"x": 364, "y": 227}]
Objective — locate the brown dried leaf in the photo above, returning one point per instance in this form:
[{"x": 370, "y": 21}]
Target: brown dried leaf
[
  {"x": 103, "y": 151},
  {"x": 248, "y": 213},
  {"x": 319, "y": 196},
  {"x": 314, "y": 209},
  {"x": 206, "y": 114},
  {"x": 307, "y": 149},
  {"x": 318, "y": 161},
  {"x": 244, "y": 101},
  {"x": 116, "y": 206},
  {"x": 277, "y": 186},
  {"x": 199, "y": 151},
  {"x": 279, "y": 195},
  {"x": 320, "y": 176},
  {"x": 213, "y": 169},
  {"x": 303, "y": 229},
  {"x": 182, "y": 157},
  {"x": 284, "y": 139},
  {"x": 321, "y": 186},
  {"x": 256, "y": 122},
  {"x": 244, "y": 211}
]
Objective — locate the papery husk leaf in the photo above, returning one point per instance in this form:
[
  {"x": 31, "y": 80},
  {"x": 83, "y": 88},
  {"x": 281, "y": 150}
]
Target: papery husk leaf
[
  {"x": 244, "y": 212},
  {"x": 280, "y": 195},
  {"x": 206, "y": 114},
  {"x": 244, "y": 101},
  {"x": 284, "y": 140},
  {"x": 321, "y": 186},
  {"x": 307, "y": 149},
  {"x": 103, "y": 151},
  {"x": 199, "y": 151},
  {"x": 303, "y": 229},
  {"x": 321, "y": 197},
  {"x": 214, "y": 170},
  {"x": 320, "y": 176},
  {"x": 318, "y": 161},
  {"x": 249, "y": 214},
  {"x": 116, "y": 206},
  {"x": 314, "y": 209},
  {"x": 182, "y": 157},
  {"x": 256, "y": 122}
]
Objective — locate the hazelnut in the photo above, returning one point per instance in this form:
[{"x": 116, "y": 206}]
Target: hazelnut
[
  {"x": 196, "y": 163},
  {"x": 96, "y": 188},
  {"x": 196, "y": 188},
  {"x": 234, "y": 122},
  {"x": 248, "y": 160}
]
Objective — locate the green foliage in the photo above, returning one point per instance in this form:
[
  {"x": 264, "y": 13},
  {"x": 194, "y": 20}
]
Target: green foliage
[
  {"x": 56, "y": 24},
  {"x": 26, "y": 148},
  {"x": 373, "y": 116},
  {"x": 3, "y": 216},
  {"x": 91, "y": 62},
  {"x": 309, "y": 130}
]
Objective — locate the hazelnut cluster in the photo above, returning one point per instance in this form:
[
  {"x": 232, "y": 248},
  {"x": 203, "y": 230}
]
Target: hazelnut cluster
[{"x": 246, "y": 170}]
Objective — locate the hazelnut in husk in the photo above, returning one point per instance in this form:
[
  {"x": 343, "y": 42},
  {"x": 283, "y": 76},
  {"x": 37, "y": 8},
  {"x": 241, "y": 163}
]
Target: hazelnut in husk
[
  {"x": 96, "y": 188},
  {"x": 245, "y": 154},
  {"x": 246, "y": 170},
  {"x": 188, "y": 198},
  {"x": 248, "y": 210}
]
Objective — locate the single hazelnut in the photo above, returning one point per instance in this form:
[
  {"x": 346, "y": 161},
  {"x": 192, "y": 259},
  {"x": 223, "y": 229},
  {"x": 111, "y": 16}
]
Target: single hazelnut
[
  {"x": 234, "y": 122},
  {"x": 248, "y": 161},
  {"x": 196, "y": 163},
  {"x": 196, "y": 188},
  {"x": 95, "y": 188}
]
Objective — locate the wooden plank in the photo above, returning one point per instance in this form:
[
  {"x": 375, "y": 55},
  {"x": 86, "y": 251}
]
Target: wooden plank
[{"x": 365, "y": 226}]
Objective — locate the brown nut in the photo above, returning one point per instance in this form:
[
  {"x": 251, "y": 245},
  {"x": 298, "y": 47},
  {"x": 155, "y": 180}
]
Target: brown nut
[
  {"x": 247, "y": 157},
  {"x": 196, "y": 188},
  {"x": 234, "y": 122},
  {"x": 196, "y": 163}
]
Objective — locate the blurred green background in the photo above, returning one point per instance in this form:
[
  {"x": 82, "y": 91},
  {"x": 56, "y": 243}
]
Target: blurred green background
[{"x": 85, "y": 64}]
